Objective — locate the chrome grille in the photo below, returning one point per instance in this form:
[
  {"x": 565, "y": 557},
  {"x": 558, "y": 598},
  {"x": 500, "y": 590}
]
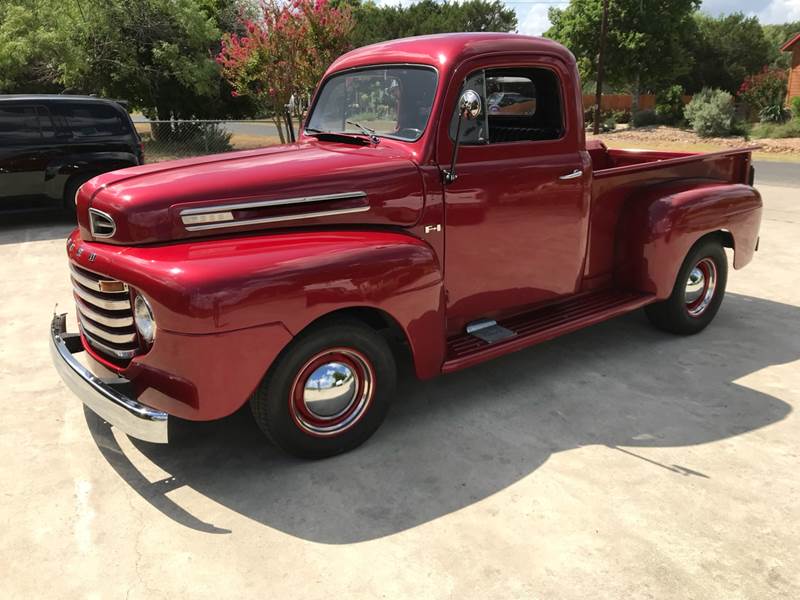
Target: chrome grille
[{"x": 105, "y": 314}]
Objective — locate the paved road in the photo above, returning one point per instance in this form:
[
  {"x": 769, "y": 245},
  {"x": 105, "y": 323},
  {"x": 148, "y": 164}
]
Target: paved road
[
  {"x": 777, "y": 173},
  {"x": 617, "y": 462}
]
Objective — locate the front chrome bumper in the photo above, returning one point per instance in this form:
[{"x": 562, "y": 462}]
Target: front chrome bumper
[{"x": 110, "y": 399}]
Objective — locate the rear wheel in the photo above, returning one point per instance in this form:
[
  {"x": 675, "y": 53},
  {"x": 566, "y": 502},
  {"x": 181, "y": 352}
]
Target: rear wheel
[
  {"x": 698, "y": 291},
  {"x": 71, "y": 189},
  {"x": 328, "y": 392}
]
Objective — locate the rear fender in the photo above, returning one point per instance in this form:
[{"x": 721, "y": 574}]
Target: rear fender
[{"x": 659, "y": 227}]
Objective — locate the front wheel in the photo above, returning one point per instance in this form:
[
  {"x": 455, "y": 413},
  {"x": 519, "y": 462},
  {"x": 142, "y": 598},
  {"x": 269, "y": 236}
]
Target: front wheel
[
  {"x": 328, "y": 392},
  {"x": 698, "y": 291}
]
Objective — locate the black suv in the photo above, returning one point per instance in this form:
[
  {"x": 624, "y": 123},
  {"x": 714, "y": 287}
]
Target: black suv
[{"x": 51, "y": 145}]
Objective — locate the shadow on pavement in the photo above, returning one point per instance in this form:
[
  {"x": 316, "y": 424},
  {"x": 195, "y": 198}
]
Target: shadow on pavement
[
  {"x": 458, "y": 439},
  {"x": 35, "y": 226}
]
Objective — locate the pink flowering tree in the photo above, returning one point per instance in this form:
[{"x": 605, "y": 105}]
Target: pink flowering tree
[{"x": 283, "y": 51}]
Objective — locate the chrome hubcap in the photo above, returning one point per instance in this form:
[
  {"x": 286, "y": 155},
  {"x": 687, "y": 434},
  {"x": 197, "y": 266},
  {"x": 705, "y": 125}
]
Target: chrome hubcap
[
  {"x": 700, "y": 286},
  {"x": 332, "y": 392}
]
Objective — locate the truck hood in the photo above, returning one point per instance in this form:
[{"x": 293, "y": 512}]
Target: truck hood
[{"x": 296, "y": 185}]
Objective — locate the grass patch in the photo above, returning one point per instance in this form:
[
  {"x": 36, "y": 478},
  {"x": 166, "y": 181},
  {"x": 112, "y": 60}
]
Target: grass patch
[{"x": 789, "y": 129}]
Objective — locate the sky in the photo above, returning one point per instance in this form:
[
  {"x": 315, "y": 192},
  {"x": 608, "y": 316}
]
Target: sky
[{"x": 532, "y": 14}]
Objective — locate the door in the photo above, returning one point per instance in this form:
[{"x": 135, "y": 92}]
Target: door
[
  {"x": 27, "y": 144},
  {"x": 516, "y": 216}
]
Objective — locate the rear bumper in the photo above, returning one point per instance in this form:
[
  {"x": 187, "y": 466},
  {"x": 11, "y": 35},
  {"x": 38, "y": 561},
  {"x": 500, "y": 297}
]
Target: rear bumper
[{"x": 111, "y": 399}]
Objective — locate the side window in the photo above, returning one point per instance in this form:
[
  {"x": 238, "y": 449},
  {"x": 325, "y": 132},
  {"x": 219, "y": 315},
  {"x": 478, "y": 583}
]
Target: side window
[
  {"x": 88, "y": 119},
  {"x": 519, "y": 104},
  {"x": 46, "y": 126},
  {"x": 523, "y": 104},
  {"x": 472, "y": 131},
  {"x": 19, "y": 123}
]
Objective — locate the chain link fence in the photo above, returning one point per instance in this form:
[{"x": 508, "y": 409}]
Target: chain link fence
[{"x": 169, "y": 140}]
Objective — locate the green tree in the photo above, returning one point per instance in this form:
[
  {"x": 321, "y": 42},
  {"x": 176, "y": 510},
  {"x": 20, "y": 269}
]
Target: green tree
[
  {"x": 28, "y": 51},
  {"x": 646, "y": 44},
  {"x": 157, "y": 54},
  {"x": 777, "y": 36},
  {"x": 379, "y": 23},
  {"x": 726, "y": 49}
]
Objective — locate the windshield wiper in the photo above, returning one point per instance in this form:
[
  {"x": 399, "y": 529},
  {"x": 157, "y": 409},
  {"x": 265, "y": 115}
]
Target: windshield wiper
[
  {"x": 366, "y": 131},
  {"x": 340, "y": 136}
]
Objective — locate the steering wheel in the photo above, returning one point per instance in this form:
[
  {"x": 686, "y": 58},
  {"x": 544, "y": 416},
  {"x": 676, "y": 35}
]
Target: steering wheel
[{"x": 411, "y": 132}]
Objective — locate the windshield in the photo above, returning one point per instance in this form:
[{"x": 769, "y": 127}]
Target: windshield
[{"x": 393, "y": 102}]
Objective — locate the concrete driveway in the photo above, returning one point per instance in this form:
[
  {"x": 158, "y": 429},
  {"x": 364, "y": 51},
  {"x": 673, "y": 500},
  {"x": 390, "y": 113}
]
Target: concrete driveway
[{"x": 617, "y": 462}]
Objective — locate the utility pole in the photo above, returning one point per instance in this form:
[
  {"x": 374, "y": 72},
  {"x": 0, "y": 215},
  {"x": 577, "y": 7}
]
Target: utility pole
[{"x": 598, "y": 95}]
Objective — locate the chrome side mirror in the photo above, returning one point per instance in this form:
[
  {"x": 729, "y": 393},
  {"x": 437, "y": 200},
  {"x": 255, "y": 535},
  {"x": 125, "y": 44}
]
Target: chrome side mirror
[
  {"x": 469, "y": 108},
  {"x": 470, "y": 105}
]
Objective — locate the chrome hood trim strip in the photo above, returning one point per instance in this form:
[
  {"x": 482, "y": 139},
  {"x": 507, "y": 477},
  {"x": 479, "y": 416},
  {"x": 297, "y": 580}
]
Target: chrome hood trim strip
[
  {"x": 219, "y": 216},
  {"x": 269, "y": 203},
  {"x": 312, "y": 215}
]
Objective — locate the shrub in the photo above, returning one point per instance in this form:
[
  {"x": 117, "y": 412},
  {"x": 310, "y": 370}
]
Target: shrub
[
  {"x": 621, "y": 116},
  {"x": 643, "y": 118},
  {"x": 774, "y": 113},
  {"x": 710, "y": 113},
  {"x": 796, "y": 107},
  {"x": 767, "y": 88},
  {"x": 187, "y": 138},
  {"x": 669, "y": 105},
  {"x": 741, "y": 127},
  {"x": 609, "y": 123},
  {"x": 608, "y": 118},
  {"x": 776, "y": 130}
]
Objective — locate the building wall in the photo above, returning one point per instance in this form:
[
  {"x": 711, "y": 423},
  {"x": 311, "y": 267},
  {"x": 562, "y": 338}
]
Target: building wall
[{"x": 794, "y": 75}]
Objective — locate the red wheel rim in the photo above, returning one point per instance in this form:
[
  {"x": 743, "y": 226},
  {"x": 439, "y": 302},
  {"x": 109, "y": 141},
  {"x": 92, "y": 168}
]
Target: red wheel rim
[
  {"x": 332, "y": 392},
  {"x": 700, "y": 287}
]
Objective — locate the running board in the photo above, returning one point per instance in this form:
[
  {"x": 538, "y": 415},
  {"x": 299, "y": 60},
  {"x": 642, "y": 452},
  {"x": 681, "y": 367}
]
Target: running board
[{"x": 537, "y": 326}]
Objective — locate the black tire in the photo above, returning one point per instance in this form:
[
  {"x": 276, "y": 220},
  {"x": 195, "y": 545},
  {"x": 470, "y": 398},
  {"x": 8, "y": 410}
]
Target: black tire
[
  {"x": 675, "y": 314},
  {"x": 72, "y": 188},
  {"x": 281, "y": 416}
]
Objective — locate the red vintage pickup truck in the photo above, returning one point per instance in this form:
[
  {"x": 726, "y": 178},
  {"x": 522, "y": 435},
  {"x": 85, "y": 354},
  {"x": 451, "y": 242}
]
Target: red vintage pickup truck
[{"x": 441, "y": 203}]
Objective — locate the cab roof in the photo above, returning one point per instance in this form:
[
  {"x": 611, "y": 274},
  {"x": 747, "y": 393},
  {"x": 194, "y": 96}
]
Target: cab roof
[{"x": 448, "y": 49}]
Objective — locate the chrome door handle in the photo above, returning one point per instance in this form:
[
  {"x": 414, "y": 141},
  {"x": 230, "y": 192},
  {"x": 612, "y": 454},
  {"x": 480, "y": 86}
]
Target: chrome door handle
[{"x": 574, "y": 175}]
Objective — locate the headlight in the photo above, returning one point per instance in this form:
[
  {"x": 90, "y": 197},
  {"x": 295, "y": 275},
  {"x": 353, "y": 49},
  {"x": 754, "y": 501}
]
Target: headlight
[{"x": 143, "y": 317}]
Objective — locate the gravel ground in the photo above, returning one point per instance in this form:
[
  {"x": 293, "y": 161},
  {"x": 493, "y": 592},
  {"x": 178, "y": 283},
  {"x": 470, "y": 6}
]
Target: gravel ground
[{"x": 659, "y": 134}]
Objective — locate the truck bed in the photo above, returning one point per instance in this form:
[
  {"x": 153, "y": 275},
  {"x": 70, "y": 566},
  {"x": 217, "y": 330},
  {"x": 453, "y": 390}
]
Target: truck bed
[
  {"x": 620, "y": 175},
  {"x": 729, "y": 166}
]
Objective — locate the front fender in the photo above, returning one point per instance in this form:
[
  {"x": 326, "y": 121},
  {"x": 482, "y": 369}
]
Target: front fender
[
  {"x": 214, "y": 286},
  {"x": 659, "y": 227}
]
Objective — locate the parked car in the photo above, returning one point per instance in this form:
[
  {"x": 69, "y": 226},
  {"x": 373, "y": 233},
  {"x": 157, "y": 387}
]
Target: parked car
[
  {"x": 51, "y": 145},
  {"x": 293, "y": 277},
  {"x": 510, "y": 103}
]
